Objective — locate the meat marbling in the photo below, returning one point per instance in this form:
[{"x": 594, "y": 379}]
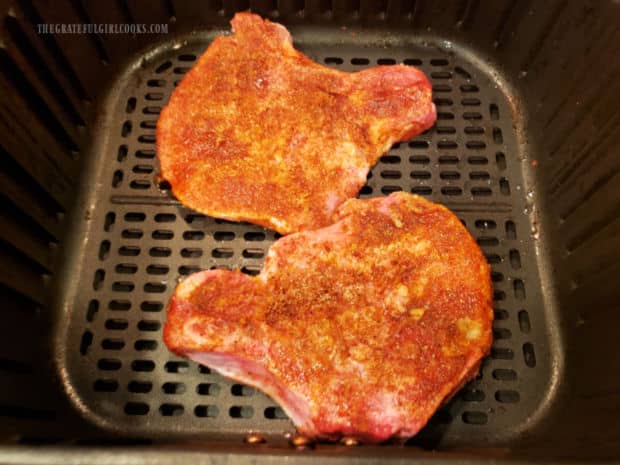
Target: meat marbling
[
  {"x": 363, "y": 328},
  {"x": 258, "y": 132}
]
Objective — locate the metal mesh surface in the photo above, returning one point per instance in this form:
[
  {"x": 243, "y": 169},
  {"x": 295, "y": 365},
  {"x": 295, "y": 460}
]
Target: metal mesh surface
[{"x": 142, "y": 241}]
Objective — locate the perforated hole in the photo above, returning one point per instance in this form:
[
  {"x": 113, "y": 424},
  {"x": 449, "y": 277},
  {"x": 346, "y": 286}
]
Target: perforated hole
[
  {"x": 511, "y": 230},
  {"x": 140, "y": 184},
  {"x": 241, "y": 411},
  {"x": 422, "y": 190},
  {"x": 501, "y": 314},
  {"x": 445, "y": 115},
  {"x": 481, "y": 191},
  {"x": 173, "y": 388},
  {"x": 93, "y": 309},
  {"x": 475, "y": 418},
  {"x": 387, "y": 190},
  {"x": 251, "y": 270},
  {"x": 145, "y": 154},
  {"x": 470, "y": 102},
  {"x": 477, "y": 160},
  {"x": 116, "y": 324},
  {"x": 166, "y": 65},
  {"x": 149, "y": 306},
  {"x": 105, "y": 385},
  {"x": 98, "y": 279},
  {"x": 151, "y": 110},
  {"x": 109, "y": 364},
  {"x": 123, "y": 286},
  {"x": 473, "y": 395},
  {"x": 493, "y": 258},
  {"x": 501, "y": 333},
  {"x": 117, "y": 178},
  {"x": 126, "y": 129},
  {"x": 494, "y": 112},
  {"x": 156, "y": 288},
  {"x": 419, "y": 159},
  {"x": 147, "y": 138},
  {"x": 507, "y": 396},
  {"x": 187, "y": 270},
  {"x": 445, "y": 130},
  {"x": 157, "y": 269},
  {"x": 390, "y": 174},
  {"x": 191, "y": 253},
  {"x": 333, "y": 60},
  {"x": 149, "y": 325},
  {"x": 468, "y": 88},
  {"x": 132, "y": 233},
  {"x": 177, "y": 367},
  {"x": 122, "y": 152},
  {"x": 476, "y": 145},
  {"x": 485, "y": 241},
  {"x": 529, "y": 356},
  {"x": 500, "y": 159},
  {"x": 479, "y": 176},
  {"x": 502, "y": 353},
  {"x": 443, "y": 102},
  {"x": 110, "y": 219},
  {"x": 253, "y": 253},
  {"x": 505, "y": 374},
  {"x": 171, "y": 410},
  {"x": 119, "y": 305},
  {"x": 224, "y": 236},
  {"x": 242, "y": 390},
  {"x": 484, "y": 225},
  {"x": 420, "y": 174},
  {"x": 140, "y": 387},
  {"x": 275, "y": 413},
  {"x": 129, "y": 251},
  {"x": 504, "y": 186},
  {"x": 206, "y": 411},
  {"x": 143, "y": 365},
  {"x": 208, "y": 389},
  {"x": 519, "y": 289},
  {"x": 451, "y": 190},
  {"x": 142, "y": 345},
  {"x": 524, "y": 321},
  {"x": 160, "y": 252},
  {"x": 162, "y": 235},
  {"x": 126, "y": 268},
  {"x": 86, "y": 342},
  {"x": 136, "y": 408},
  {"x": 142, "y": 169},
  {"x": 254, "y": 236},
  {"x": 181, "y": 69},
  {"x": 112, "y": 344}
]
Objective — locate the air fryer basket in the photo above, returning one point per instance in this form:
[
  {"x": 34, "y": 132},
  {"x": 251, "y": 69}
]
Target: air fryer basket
[{"x": 94, "y": 242}]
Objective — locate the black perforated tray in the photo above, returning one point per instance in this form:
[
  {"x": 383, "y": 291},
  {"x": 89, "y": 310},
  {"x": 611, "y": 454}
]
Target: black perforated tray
[{"x": 137, "y": 241}]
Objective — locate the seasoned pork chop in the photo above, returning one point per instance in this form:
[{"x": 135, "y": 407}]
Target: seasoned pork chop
[
  {"x": 258, "y": 132},
  {"x": 363, "y": 328}
]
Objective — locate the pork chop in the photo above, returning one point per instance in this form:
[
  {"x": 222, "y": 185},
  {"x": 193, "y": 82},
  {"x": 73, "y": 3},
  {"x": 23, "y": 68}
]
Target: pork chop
[
  {"x": 360, "y": 329},
  {"x": 258, "y": 132}
]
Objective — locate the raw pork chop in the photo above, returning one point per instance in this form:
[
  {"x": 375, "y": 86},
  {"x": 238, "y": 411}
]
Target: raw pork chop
[
  {"x": 258, "y": 132},
  {"x": 363, "y": 328}
]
